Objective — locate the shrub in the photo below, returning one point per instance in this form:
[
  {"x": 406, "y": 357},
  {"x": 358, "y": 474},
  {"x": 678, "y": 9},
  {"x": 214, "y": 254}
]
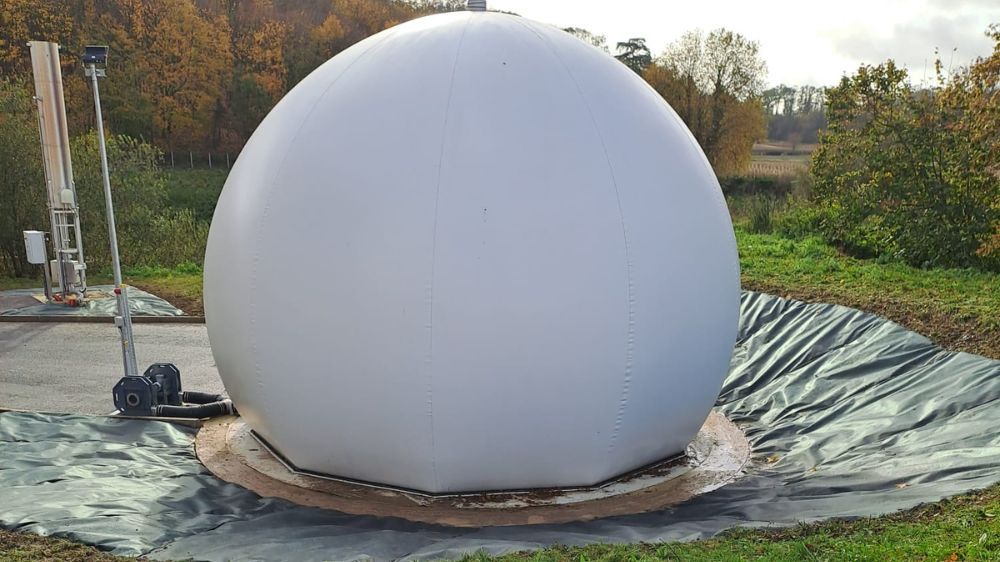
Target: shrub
[
  {"x": 801, "y": 220},
  {"x": 22, "y": 183},
  {"x": 736, "y": 186},
  {"x": 150, "y": 233},
  {"x": 912, "y": 174}
]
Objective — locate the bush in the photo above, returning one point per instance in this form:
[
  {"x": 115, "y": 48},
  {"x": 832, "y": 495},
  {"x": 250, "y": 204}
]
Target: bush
[
  {"x": 737, "y": 186},
  {"x": 801, "y": 221},
  {"x": 22, "y": 183},
  {"x": 912, "y": 175},
  {"x": 150, "y": 233}
]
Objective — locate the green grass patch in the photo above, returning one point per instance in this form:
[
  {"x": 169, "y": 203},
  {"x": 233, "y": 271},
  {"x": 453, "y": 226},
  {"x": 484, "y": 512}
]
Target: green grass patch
[
  {"x": 7, "y": 283},
  {"x": 967, "y": 293},
  {"x": 963, "y": 528},
  {"x": 181, "y": 285},
  {"x": 957, "y": 308},
  {"x": 182, "y": 291}
]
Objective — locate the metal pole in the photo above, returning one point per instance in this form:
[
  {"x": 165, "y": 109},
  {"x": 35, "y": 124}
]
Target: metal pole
[
  {"x": 48, "y": 280},
  {"x": 124, "y": 318}
]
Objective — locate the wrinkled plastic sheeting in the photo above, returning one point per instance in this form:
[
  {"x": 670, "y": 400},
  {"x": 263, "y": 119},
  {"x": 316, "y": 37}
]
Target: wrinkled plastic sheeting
[
  {"x": 848, "y": 414},
  {"x": 140, "y": 302}
]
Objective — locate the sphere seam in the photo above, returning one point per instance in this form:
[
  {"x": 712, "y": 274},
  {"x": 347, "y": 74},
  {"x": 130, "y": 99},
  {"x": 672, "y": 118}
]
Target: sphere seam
[
  {"x": 429, "y": 361},
  {"x": 629, "y": 265},
  {"x": 263, "y": 219}
]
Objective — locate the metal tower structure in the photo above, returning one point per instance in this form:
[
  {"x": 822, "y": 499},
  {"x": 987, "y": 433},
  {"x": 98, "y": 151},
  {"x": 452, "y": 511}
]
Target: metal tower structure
[{"x": 68, "y": 268}]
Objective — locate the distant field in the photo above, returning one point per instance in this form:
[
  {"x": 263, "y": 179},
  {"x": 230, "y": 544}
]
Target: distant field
[
  {"x": 782, "y": 148},
  {"x": 778, "y": 166},
  {"x": 779, "y": 159}
]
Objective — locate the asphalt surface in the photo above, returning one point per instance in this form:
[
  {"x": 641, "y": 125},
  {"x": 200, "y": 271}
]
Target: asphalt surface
[{"x": 70, "y": 368}]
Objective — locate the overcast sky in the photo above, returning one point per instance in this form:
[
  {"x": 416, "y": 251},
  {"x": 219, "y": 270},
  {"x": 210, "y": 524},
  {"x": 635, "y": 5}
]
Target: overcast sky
[{"x": 803, "y": 42}]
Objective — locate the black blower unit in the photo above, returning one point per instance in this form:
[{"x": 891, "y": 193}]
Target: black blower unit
[
  {"x": 139, "y": 396},
  {"x": 158, "y": 393}
]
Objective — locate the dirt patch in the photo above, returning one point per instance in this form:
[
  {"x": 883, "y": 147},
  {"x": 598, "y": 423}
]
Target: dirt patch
[
  {"x": 944, "y": 328},
  {"x": 28, "y": 546}
]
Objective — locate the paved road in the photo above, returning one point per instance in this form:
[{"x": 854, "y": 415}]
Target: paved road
[{"x": 51, "y": 367}]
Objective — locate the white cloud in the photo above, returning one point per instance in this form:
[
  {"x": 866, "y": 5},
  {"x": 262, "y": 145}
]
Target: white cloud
[{"x": 958, "y": 39}]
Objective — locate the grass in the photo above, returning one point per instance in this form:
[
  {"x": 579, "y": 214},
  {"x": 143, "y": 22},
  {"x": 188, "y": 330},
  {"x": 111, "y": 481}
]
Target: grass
[
  {"x": 181, "y": 286},
  {"x": 7, "y": 283},
  {"x": 182, "y": 291},
  {"x": 959, "y": 309},
  {"x": 962, "y": 528}
]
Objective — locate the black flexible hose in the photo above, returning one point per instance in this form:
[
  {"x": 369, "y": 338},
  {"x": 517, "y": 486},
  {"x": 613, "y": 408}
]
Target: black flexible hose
[
  {"x": 195, "y": 397},
  {"x": 210, "y": 410}
]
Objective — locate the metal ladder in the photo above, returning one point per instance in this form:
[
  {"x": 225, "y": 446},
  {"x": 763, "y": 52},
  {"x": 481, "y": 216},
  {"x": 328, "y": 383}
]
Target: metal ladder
[{"x": 67, "y": 240}]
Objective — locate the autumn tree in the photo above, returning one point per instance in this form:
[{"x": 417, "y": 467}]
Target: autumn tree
[
  {"x": 975, "y": 97},
  {"x": 913, "y": 174},
  {"x": 193, "y": 74},
  {"x": 29, "y": 20},
  {"x": 427, "y": 7},
  {"x": 599, "y": 41},
  {"x": 168, "y": 70},
  {"x": 186, "y": 63},
  {"x": 715, "y": 82}
]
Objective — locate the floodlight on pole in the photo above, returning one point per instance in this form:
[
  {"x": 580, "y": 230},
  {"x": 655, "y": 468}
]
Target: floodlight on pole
[{"x": 94, "y": 55}]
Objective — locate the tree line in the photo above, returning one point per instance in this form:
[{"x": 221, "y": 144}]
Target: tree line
[
  {"x": 193, "y": 74},
  {"x": 901, "y": 173},
  {"x": 795, "y": 115},
  {"x": 199, "y": 75}
]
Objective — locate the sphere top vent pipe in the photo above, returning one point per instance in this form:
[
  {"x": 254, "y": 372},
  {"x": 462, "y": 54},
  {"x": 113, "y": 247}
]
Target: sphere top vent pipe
[{"x": 476, "y": 5}]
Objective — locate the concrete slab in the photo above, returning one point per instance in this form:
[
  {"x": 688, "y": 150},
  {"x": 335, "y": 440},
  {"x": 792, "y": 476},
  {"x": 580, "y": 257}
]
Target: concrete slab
[{"x": 70, "y": 368}]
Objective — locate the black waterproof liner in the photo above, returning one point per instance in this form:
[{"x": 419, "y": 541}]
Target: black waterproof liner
[{"x": 848, "y": 415}]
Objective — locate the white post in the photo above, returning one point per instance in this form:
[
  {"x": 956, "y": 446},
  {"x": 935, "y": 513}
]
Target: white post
[{"x": 124, "y": 319}]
